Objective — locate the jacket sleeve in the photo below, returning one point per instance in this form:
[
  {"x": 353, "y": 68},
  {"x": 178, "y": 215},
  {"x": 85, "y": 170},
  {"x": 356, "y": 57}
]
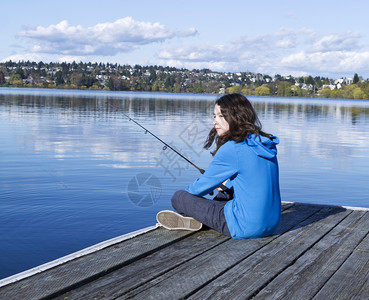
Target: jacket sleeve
[{"x": 223, "y": 167}]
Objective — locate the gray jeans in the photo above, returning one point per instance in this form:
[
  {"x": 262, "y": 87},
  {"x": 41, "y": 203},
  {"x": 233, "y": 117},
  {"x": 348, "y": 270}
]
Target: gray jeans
[{"x": 208, "y": 212}]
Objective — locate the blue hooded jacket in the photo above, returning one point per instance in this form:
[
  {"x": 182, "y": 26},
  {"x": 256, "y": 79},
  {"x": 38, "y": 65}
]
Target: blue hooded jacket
[{"x": 251, "y": 167}]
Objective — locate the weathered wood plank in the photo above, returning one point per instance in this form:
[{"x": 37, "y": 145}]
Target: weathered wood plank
[
  {"x": 317, "y": 250},
  {"x": 252, "y": 274},
  {"x": 135, "y": 274},
  {"x": 351, "y": 281},
  {"x": 309, "y": 273},
  {"x": 191, "y": 276},
  {"x": 81, "y": 270},
  {"x": 139, "y": 272}
]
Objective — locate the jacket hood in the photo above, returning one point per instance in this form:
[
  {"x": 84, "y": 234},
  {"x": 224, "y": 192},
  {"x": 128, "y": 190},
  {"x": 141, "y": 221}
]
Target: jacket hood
[{"x": 263, "y": 146}]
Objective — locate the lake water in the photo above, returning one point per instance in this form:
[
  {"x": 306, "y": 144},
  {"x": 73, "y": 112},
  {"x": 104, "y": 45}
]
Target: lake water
[{"x": 74, "y": 171}]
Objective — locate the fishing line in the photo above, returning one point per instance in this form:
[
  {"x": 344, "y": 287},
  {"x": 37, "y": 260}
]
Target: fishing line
[
  {"x": 202, "y": 171},
  {"x": 165, "y": 144}
]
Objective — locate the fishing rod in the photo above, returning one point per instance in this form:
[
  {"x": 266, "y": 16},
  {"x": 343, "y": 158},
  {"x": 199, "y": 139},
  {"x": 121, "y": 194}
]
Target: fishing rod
[
  {"x": 202, "y": 171},
  {"x": 165, "y": 144}
]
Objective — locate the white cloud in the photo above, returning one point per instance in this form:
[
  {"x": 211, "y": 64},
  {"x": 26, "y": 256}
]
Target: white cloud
[
  {"x": 286, "y": 43},
  {"x": 200, "y": 53},
  {"x": 123, "y": 35},
  {"x": 344, "y": 41},
  {"x": 23, "y": 57},
  {"x": 344, "y": 62},
  {"x": 45, "y": 58},
  {"x": 257, "y": 53},
  {"x": 70, "y": 59},
  {"x": 286, "y": 51},
  {"x": 261, "y": 45},
  {"x": 283, "y": 38}
]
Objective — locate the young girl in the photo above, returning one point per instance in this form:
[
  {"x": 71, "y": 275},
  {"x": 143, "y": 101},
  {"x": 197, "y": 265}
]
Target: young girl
[{"x": 249, "y": 206}]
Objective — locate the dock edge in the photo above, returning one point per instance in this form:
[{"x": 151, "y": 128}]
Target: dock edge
[{"x": 74, "y": 255}]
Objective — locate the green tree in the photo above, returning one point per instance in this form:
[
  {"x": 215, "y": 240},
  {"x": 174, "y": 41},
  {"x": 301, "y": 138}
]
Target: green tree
[
  {"x": 245, "y": 91},
  {"x": 152, "y": 76},
  {"x": 40, "y": 65},
  {"x": 348, "y": 91},
  {"x": 199, "y": 88},
  {"x": 2, "y": 78},
  {"x": 359, "y": 94},
  {"x": 16, "y": 79},
  {"x": 21, "y": 73},
  {"x": 365, "y": 88},
  {"x": 310, "y": 80},
  {"x": 356, "y": 79},
  {"x": 36, "y": 78},
  {"x": 295, "y": 90},
  {"x": 262, "y": 91},
  {"x": 59, "y": 80},
  {"x": 300, "y": 80},
  {"x": 177, "y": 88},
  {"x": 169, "y": 83},
  {"x": 337, "y": 93},
  {"x": 76, "y": 79},
  {"x": 283, "y": 89},
  {"x": 325, "y": 93},
  {"x": 158, "y": 86},
  {"x": 87, "y": 80},
  {"x": 273, "y": 87},
  {"x": 318, "y": 82},
  {"x": 235, "y": 89},
  {"x": 116, "y": 83}
]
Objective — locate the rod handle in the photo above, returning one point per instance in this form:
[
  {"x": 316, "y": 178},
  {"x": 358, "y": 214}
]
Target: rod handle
[{"x": 222, "y": 186}]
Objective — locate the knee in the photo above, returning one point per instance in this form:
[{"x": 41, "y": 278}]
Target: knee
[{"x": 177, "y": 199}]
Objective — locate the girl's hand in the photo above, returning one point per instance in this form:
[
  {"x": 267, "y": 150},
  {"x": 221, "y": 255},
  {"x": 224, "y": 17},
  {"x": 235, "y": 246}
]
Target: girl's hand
[{"x": 220, "y": 189}]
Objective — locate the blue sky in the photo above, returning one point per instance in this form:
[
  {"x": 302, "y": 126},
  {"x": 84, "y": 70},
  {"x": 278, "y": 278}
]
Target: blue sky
[{"x": 318, "y": 38}]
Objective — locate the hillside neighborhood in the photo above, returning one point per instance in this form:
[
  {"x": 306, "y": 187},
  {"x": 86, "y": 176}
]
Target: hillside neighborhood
[{"x": 168, "y": 79}]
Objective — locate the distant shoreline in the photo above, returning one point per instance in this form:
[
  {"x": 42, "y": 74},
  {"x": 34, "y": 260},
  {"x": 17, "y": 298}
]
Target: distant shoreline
[
  {"x": 114, "y": 77},
  {"x": 213, "y": 96}
]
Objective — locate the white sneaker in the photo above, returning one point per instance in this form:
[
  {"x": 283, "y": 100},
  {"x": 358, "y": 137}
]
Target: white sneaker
[{"x": 174, "y": 221}]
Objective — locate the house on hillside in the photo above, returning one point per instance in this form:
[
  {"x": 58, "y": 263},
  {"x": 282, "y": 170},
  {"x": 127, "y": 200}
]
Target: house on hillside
[
  {"x": 330, "y": 86},
  {"x": 338, "y": 83}
]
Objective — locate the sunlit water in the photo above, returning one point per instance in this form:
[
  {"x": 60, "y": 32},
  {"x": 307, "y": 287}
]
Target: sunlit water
[{"x": 74, "y": 171}]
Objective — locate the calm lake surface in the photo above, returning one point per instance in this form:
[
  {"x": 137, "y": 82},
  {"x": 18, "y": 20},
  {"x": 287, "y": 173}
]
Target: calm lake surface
[{"x": 74, "y": 171}]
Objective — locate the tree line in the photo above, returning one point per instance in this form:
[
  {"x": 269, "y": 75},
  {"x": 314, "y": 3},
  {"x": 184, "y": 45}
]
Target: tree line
[{"x": 116, "y": 77}]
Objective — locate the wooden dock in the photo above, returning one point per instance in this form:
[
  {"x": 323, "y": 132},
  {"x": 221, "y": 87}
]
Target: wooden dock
[{"x": 318, "y": 252}]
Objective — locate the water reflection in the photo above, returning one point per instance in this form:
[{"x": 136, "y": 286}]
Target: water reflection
[
  {"x": 355, "y": 111},
  {"x": 323, "y": 129},
  {"x": 150, "y": 104}
]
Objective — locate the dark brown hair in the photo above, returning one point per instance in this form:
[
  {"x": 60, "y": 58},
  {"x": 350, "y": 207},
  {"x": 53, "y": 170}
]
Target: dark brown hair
[{"x": 241, "y": 117}]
